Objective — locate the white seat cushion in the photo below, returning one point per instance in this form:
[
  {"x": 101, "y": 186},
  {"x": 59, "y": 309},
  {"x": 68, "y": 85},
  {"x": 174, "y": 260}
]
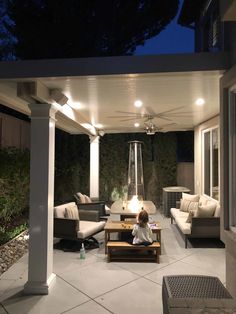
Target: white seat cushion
[
  {"x": 217, "y": 211},
  {"x": 87, "y": 228},
  {"x": 184, "y": 226},
  {"x": 175, "y": 212}
]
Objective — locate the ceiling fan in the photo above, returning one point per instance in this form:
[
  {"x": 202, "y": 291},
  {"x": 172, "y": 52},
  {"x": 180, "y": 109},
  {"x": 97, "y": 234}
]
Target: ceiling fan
[
  {"x": 148, "y": 114},
  {"x": 151, "y": 128}
]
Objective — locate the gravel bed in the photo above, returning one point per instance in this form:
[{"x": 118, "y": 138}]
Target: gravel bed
[{"x": 13, "y": 250}]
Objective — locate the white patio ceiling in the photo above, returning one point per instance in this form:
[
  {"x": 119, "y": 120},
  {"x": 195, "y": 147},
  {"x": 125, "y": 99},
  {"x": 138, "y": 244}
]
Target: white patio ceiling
[{"x": 103, "y": 88}]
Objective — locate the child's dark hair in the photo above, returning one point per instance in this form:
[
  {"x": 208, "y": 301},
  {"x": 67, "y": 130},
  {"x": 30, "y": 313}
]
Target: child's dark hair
[{"x": 143, "y": 218}]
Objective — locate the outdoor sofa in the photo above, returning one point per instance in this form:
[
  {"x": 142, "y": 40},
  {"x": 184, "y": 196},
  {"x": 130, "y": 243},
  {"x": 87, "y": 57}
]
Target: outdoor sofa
[{"x": 197, "y": 217}]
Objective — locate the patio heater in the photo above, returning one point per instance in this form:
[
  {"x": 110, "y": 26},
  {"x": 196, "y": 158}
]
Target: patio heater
[{"x": 135, "y": 172}]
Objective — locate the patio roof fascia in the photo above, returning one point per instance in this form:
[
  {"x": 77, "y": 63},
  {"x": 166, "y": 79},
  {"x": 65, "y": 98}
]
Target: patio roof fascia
[{"x": 27, "y": 69}]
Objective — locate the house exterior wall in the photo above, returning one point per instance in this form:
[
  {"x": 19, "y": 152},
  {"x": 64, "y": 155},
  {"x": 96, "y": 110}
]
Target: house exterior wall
[
  {"x": 185, "y": 175},
  {"x": 198, "y": 164},
  {"x": 228, "y": 236},
  {"x": 228, "y": 81},
  {"x": 14, "y": 132}
]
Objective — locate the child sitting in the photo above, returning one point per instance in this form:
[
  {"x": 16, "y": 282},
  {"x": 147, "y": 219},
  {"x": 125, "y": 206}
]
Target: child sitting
[{"x": 142, "y": 232}]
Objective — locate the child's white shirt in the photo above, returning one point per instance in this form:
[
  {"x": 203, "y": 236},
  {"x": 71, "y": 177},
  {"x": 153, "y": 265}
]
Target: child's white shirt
[{"x": 142, "y": 234}]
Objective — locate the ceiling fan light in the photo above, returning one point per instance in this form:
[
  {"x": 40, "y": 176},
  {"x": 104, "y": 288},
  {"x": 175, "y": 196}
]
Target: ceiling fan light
[
  {"x": 136, "y": 124},
  {"x": 150, "y": 131},
  {"x": 138, "y": 103}
]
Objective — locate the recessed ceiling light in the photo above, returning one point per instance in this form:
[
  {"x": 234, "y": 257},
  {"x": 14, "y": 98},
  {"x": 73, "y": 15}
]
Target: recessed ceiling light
[
  {"x": 138, "y": 103},
  {"x": 200, "y": 102},
  {"x": 136, "y": 124}
]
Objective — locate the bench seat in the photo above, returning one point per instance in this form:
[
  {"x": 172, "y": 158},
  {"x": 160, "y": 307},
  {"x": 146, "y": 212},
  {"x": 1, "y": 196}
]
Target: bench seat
[{"x": 120, "y": 246}]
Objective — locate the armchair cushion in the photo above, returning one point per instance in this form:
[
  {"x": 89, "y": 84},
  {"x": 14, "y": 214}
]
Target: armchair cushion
[
  {"x": 87, "y": 199},
  {"x": 81, "y": 197},
  {"x": 84, "y": 226},
  {"x": 72, "y": 212},
  {"x": 59, "y": 211},
  {"x": 87, "y": 228}
]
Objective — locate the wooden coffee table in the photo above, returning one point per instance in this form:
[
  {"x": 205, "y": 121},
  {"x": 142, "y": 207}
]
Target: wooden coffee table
[{"x": 127, "y": 226}]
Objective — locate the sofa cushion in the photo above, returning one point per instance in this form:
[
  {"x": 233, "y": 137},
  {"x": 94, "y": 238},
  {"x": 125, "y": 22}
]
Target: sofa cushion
[
  {"x": 186, "y": 205},
  {"x": 89, "y": 227},
  {"x": 206, "y": 210},
  {"x": 191, "y": 197},
  {"x": 184, "y": 226},
  {"x": 190, "y": 216},
  {"x": 203, "y": 200},
  {"x": 72, "y": 212},
  {"x": 176, "y": 212},
  {"x": 217, "y": 211}
]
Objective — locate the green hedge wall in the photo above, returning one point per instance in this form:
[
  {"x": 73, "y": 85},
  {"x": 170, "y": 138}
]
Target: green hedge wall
[
  {"x": 14, "y": 183},
  {"x": 72, "y": 165}
]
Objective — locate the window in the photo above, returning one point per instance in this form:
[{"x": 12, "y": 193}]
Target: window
[{"x": 211, "y": 162}]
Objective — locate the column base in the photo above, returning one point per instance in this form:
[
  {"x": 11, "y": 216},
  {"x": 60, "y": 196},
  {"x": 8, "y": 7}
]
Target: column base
[{"x": 37, "y": 287}]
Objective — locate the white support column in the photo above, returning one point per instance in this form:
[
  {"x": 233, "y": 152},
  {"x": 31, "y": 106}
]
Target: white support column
[
  {"x": 94, "y": 167},
  {"x": 40, "y": 274}
]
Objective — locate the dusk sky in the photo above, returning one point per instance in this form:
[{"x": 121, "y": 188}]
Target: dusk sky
[{"x": 173, "y": 39}]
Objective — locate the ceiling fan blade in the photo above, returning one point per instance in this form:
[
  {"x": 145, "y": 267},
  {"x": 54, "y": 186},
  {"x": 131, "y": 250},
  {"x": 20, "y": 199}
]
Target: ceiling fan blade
[
  {"x": 174, "y": 109},
  {"x": 130, "y": 113},
  {"x": 179, "y": 114},
  {"x": 164, "y": 118},
  {"x": 149, "y": 111},
  {"x": 130, "y": 119}
]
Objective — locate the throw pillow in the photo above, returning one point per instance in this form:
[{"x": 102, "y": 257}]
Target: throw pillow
[
  {"x": 206, "y": 210},
  {"x": 217, "y": 211},
  {"x": 202, "y": 200},
  {"x": 59, "y": 212},
  {"x": 190, "y": 197},
  {"x": 186, "y": 205},
  {"x": 72, "y": 212},
  {"x": 190, "y": 216},
  {"x": 81, "y": 197},
  {"x": 87, "y": 199}
]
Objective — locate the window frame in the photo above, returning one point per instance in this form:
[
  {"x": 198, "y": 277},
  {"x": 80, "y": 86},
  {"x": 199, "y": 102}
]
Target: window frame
[
  {"x": 232, "y": 158},
  {"x": 210, "y": 130}
]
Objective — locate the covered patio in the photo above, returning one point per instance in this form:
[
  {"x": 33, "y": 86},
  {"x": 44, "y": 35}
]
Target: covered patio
[
  {"x": 95, "y": 89},
  {"x": 94, "y": 286}
]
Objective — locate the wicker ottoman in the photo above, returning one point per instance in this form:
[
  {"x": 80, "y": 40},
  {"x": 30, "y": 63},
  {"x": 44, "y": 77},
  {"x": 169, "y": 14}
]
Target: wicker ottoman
[{"x": 192, "y": 286}]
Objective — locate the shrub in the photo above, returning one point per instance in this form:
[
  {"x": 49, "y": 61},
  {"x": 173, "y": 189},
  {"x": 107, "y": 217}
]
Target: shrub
[{"x": 14, "y": 183}]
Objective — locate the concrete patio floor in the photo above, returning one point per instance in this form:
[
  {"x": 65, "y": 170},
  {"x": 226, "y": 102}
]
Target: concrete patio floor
[{"x": 94, "y": 286}]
